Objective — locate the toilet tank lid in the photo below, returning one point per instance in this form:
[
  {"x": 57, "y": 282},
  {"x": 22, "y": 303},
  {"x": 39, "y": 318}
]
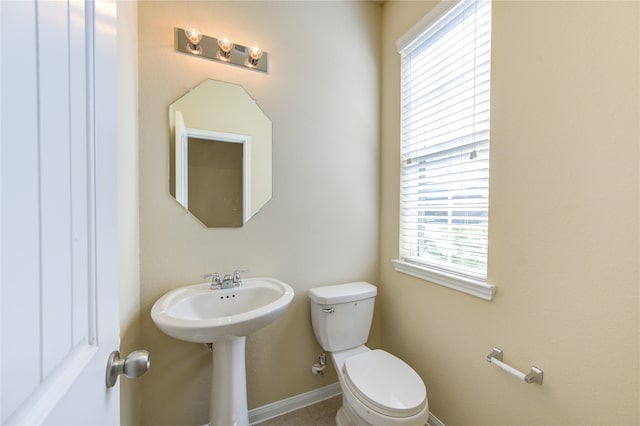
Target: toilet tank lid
[{"x": 342, "y": 293}]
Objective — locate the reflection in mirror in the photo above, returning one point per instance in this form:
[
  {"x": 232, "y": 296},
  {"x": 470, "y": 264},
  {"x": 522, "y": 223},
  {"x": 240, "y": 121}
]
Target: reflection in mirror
[
  {"x": 214, "y": 179},
  {"x": 221, "y": 154}
]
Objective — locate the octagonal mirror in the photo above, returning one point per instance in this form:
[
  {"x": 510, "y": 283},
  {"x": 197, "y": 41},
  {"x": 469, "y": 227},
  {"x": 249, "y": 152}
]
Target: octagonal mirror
[{"x": 220, "y": 154}]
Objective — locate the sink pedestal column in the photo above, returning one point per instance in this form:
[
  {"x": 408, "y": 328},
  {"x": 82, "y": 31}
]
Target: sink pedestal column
[{"x": 229, "y": 384}]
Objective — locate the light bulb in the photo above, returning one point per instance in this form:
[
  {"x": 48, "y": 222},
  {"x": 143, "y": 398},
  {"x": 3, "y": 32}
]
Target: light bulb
[
  {"x": 194, "y": 36},
  {"x": 255, "y": 53},
  {"x": 225, "y": 47}
]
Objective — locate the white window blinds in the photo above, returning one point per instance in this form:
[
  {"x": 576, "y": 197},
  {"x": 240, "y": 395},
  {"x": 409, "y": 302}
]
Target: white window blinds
[{"x": 445, "y": 142}]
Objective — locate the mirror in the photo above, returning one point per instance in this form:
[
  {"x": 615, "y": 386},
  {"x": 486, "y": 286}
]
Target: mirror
[{"x": 220, "y": 154}]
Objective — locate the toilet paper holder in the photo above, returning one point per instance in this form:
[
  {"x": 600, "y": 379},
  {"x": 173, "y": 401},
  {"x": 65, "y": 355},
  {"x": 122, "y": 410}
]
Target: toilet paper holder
[{"x": 534, "y": 376}]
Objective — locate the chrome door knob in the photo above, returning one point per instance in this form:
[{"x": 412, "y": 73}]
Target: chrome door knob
[{"x": 134, "y": 365}]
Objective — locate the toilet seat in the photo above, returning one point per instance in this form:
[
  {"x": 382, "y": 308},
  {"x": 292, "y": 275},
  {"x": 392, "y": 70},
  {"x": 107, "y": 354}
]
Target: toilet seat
[{"x": 385, "y": 384}]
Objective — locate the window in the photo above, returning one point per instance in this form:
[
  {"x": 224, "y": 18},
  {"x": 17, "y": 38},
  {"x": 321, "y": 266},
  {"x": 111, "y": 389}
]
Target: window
[{"x": 445, "y": 146}]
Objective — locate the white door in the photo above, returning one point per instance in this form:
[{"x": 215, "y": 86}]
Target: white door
[{"x": 59, "y": 318}]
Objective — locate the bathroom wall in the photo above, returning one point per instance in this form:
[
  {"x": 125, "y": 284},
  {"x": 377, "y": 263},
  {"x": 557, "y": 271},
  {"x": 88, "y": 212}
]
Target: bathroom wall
[
  {"x": 564, "y": 234},
  {"x": 321, "y": 225}
]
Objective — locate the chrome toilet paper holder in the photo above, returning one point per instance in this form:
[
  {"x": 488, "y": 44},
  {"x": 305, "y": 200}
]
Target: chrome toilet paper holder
[{"x": 534, "y": 376}]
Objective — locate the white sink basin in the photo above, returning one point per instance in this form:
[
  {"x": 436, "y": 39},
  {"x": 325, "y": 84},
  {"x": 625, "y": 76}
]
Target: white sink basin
[{"x": 196, "y": 313}]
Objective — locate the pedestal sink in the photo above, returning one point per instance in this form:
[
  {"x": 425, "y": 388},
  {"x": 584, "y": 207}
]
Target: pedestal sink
[{"x": 199, "y": 314}]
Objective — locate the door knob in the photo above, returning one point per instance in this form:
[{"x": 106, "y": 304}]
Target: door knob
[{"x": 134, "y": 365}]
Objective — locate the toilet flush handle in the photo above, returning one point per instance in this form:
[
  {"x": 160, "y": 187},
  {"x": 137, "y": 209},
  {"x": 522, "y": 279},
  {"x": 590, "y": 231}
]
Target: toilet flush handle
[{"x": 329, "y": 310}]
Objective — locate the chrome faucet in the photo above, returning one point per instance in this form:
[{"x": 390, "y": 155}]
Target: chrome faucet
[{"x": 229, "y": 281}]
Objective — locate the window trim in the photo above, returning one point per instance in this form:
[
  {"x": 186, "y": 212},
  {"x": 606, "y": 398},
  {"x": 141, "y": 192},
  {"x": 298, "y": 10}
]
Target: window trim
[
  {"x": 473, "y": 286},
  {"x": 421, "y": 26}
]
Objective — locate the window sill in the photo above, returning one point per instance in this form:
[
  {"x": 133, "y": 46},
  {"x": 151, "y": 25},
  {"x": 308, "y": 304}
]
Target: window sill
[{"x": 466, "y": 285}]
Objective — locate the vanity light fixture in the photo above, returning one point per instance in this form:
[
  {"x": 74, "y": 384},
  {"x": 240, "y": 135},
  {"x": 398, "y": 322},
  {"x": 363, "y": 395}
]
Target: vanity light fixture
[{"x": 192, "y": 42}]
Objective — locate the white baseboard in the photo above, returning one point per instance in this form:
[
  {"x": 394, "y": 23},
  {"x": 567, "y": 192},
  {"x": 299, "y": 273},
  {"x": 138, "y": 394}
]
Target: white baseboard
[
  {"x": 434, "y": 421},
  {"x": 278, "y": 408}
]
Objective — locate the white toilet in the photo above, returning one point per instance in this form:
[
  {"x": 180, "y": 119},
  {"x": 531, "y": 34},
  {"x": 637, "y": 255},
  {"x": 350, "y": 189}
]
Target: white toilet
[{"x": 377, "y": 388}]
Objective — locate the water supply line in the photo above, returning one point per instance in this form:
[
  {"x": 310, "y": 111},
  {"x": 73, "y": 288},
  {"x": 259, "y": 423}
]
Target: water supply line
[{"x": 318, "y": 367}]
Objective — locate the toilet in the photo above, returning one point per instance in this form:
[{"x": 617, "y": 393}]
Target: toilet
[{"x": 378, "y": 388}]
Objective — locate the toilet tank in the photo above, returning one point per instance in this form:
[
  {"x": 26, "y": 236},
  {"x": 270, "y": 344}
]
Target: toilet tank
[{"x": 341, "y": 314}]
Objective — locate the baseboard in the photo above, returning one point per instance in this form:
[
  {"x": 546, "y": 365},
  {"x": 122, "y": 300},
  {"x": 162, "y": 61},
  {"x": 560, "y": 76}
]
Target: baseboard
[
  {"x": 434, "y": 421},
  {"x": 278, "y": 408}
]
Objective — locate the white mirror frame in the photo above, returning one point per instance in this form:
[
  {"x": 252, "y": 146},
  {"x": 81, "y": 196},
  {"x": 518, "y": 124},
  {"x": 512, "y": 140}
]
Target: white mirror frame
[{"x": 182, "y": 161}]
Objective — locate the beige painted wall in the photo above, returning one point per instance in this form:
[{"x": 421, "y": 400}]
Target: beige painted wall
[
  {"x": 563, "y": 239},
  {"x": 320, "y": 227}
]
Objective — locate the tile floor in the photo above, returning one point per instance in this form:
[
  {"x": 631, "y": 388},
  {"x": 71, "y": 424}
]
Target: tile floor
[{"x": 321, "y": 414}]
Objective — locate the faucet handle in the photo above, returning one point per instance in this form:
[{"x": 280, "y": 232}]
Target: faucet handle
[
  {"x": 237, "y": 281},
  {"x": 211, "y": 275},
  {"x": 215, "y": 279}
]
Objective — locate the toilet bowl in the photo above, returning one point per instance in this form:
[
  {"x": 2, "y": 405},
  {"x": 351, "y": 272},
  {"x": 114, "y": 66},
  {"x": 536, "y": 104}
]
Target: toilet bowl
[{"x": 378, "y": 388}]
